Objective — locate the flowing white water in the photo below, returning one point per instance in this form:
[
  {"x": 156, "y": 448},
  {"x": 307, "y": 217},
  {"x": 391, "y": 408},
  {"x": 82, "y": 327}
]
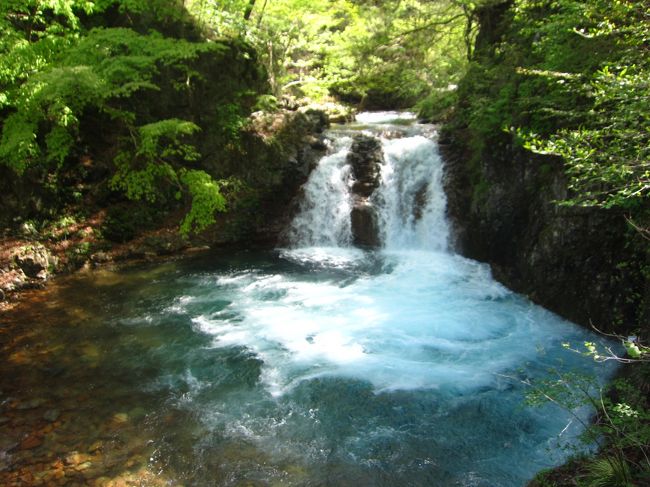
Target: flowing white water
[
  {"x": 324, "y": 218},
  {"x": 411, "y": 198},
  {"x": 398, "y": 366}
]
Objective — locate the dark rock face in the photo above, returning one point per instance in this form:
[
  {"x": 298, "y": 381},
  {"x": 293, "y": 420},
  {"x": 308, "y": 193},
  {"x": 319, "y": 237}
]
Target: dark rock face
[
  {"x": 363, "y": 220},
  {"x": 278, "y": 154},
  {"x": 420, "y": 202},
  {"x": 572, "y": 260},
  {"x": 365, "y": 157}
]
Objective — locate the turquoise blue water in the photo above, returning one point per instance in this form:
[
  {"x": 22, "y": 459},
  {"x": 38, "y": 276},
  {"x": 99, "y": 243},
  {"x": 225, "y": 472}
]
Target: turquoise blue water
[{"x": 324, "y": 366}]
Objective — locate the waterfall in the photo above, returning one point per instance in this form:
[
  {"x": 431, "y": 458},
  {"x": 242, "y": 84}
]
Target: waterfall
[
  {"x": 411, "y": 200},
  {"x": 409, "y": 203},
  {"x": 324, "y": 217},
  {"x": 398, "y": 366}
]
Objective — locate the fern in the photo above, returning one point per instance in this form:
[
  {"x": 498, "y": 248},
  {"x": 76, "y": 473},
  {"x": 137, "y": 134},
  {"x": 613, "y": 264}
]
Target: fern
[
  {"x": 206, "y": 200},
  {"x": 155, "y": 151},
  {"x": 608, "y": 472}
]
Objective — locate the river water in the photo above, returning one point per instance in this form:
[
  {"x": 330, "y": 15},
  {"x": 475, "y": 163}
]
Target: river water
[{"x": 318, "y": 364}]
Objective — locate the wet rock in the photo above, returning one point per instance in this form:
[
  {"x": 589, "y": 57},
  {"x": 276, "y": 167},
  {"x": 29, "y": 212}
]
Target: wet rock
[
  {"x": 83, "y": 466},
  {"x": 365, "y": 157},
  {"x": 51, "y": 415},
  {"x": 31, "y": 404},
  {"x": 120, "y": 418},
  {"x": 32, "y": 441},
  {"x": 393, "y": 134},
  {"x": 8, "y": 444},
  {"x": 317, "y": 143},
  {"x": 420, "y": 202},
  {"x": 363, "y": 220},
  {"x": 96, "y": 446},
  {"x": 137, "y": 413},
  {"x": 26, "y": 477},
  {"x": 74, "y": 459},
  {"x": 164, "y": 244}
]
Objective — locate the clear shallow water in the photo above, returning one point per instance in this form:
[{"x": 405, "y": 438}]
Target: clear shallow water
[{"x": 319, "y": 365}]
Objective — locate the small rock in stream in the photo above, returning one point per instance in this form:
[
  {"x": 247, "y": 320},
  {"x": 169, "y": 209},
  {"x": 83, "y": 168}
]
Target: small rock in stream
[{"x": 51, "y": 415}]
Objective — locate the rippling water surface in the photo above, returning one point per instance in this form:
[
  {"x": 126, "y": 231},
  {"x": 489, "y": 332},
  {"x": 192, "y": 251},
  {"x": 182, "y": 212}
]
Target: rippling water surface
[{"x": 318, "y": 365}]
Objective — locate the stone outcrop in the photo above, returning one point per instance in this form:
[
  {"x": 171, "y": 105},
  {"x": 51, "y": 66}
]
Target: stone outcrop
[
  {"x": 574, "y": 261},
  {"x": 280, "y": 150},
  {"x": 365, "y": 158},
  {"x": 363, "y": 220},
  {"x": 585, "y": 263},
  {"x": 35, "y": 261}
]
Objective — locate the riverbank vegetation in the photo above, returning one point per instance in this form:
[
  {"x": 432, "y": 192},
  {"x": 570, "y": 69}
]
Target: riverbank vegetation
[{"x": 122, "y": 116}]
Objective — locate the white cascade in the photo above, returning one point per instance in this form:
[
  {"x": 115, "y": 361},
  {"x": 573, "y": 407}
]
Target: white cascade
[
  {"x": 410, "y": 201},
  {"x": 324, "y": 216}
]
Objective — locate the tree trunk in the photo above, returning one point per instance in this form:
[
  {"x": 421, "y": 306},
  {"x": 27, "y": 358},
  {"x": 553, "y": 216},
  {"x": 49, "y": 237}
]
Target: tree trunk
[{"x": 249, "y": 9}]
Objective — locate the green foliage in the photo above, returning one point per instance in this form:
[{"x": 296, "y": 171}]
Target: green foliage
[
  {"x": 230, "y": 120},
  {"x": 149, "y": 163},
  {"x": 608, "y": 158},
  {"x": 621, "y": 426},
  {"x": 206, "y": 200},
  {"x": 125, "y": 221},
  {"x": 32, "y": 34},
  {"x": 568, "y": 78},
  {"x": 62, "y": 85},
  {"x": 608, "y": 472},
  {"x": 266, "y": 103},
  {"x": 437, "y": 105},
  {"x": 386, "y": 53},
  {"x": 45, "y": 123}
]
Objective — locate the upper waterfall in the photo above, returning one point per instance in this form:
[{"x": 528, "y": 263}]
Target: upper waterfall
[{"x": 408, "y": 205}]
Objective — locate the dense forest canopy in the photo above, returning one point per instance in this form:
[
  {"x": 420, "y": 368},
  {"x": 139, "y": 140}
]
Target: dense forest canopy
[
  {"x": 374, "y": 53},
  {"x": 76, "y": 79},
  {"x": 564, "y": 77}
]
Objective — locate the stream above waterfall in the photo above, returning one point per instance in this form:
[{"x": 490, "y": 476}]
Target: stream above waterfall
[{"x": 316, "y": 364}]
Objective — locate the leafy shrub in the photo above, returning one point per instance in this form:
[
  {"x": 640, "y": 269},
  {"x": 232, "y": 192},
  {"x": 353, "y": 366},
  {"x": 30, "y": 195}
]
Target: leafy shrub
[{"x": 125, "y": 221}]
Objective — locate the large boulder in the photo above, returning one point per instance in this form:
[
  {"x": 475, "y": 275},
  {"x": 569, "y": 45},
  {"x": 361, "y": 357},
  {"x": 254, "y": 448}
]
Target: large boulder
[
  {"x": 363, "y": 219},
  {"x": 365, "y": 158}
]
